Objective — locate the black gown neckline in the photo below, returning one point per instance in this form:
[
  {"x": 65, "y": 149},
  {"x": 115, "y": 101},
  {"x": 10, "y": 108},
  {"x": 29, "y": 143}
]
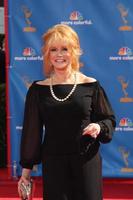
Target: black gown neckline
[{"x": 66, "y": 84}]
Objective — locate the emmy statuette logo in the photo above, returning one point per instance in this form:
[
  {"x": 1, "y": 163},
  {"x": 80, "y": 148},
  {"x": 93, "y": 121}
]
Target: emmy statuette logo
[
  {"x": 124, "y": 85},
  {"x": 124, "y": 15},
  {"x": 125, "y": 155},
  {"x": 27, "y": 15}
]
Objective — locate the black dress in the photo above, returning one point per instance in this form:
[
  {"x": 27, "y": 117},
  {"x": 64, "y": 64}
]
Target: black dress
[{"x": 71, "y": 162}]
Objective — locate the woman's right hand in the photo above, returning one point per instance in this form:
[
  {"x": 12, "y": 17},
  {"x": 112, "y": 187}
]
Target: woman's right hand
[{"x": 25, "y": 178}]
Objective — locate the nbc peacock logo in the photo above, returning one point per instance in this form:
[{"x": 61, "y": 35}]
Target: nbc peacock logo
[
  {"x": 28, "y": 51},
  {"x": 123, "y": 54},
  {"x": 28, "y": 54},
  {"x": 125, "y": 51},
  {"x": 125, "y": 122},
  {"x": 125, "y": 125},
  {"x": 76, "y": 16}
]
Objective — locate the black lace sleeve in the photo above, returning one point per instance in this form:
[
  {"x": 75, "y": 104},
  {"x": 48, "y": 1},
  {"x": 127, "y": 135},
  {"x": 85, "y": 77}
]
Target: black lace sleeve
[
  {"x": 103, "y": 115},
  {"x": 30, "y": 151}
]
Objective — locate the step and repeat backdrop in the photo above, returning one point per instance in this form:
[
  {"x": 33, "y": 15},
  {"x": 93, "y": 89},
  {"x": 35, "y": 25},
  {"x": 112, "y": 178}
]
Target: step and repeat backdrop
[{"x": 105, "y": 29}]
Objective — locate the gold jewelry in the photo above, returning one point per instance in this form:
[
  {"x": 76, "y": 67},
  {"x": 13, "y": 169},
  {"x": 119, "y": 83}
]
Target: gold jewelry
[{"x": 71, "y": 92}]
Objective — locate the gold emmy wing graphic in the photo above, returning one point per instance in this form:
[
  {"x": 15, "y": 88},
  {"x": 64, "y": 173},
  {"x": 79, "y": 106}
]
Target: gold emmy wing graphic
[
  {"x": 124, "y": 86},
  {"x": 125, "y": 155},
  {"x": 124, "y": 14},
  {"x": 27, "y": 15}
]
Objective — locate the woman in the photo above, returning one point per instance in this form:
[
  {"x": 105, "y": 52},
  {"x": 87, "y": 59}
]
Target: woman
[{"x": 77, "y": 116}]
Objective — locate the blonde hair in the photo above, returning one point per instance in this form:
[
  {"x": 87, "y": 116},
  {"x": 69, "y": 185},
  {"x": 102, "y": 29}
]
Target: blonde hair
[{"x": 66, "y": 34}]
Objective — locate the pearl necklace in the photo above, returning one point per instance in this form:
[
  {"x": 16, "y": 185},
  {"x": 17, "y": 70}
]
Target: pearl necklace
[{"x": 71, "y": 92}]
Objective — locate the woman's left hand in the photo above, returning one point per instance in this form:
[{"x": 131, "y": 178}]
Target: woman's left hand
[{"x": 92, "y": 129}]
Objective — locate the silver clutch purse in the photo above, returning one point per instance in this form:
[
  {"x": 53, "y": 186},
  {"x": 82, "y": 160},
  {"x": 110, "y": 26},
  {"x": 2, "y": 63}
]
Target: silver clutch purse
[{"x": 26, "y": 190}]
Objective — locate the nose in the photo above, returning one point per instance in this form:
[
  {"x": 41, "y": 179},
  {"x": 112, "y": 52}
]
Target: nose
[{"x": 59, "y": 52}]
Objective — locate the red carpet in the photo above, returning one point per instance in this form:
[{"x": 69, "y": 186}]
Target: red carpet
[
  {"x": 113, "y": 189},
  {"x": 118, "y": 189}
]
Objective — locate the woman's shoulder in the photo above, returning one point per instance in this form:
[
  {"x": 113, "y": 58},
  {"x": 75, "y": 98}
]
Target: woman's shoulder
[
  {"x": 90, "y": 80},
  {"x": 34, "y": 86},
  {"x": 86, "y": 79},
  {"x": 43, "y": 82}
]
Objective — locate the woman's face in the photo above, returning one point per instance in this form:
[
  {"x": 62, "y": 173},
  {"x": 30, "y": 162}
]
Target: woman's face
[{"x": 60, "y": 56}]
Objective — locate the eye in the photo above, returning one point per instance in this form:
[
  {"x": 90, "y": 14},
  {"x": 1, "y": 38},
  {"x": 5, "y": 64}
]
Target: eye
[
  {"x": 53, "y": 49},
  {"x": 65, "y": 49}
]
